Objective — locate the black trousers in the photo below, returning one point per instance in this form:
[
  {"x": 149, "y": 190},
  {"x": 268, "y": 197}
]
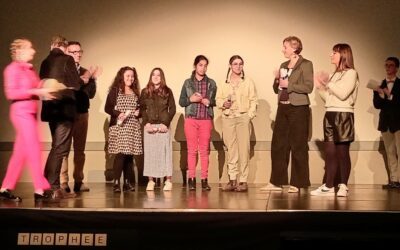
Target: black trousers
[
  {"x": 290, "y": 138},
  {"x": 61, "y": 134},
  {"x": 124, "y": 164}
]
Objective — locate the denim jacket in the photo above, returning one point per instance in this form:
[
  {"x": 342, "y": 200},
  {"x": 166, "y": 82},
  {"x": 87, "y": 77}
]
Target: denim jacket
[{"x": 188, "y": 89}]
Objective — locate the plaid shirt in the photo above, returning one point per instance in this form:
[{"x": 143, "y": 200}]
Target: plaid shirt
[{"x": 201, "y": 87}]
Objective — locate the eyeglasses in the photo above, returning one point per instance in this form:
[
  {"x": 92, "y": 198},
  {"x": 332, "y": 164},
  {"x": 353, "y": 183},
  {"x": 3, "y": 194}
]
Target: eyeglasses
[{"x": 76, "y": 52}]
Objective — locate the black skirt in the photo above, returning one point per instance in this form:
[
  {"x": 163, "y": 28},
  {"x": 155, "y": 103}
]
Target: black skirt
[{"x": 339, "y": 126}]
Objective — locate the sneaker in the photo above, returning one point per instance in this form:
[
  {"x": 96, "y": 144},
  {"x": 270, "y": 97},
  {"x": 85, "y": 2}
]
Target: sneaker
[
  {"x": 167, "y": 185},
  {"x": 150, "y": 186},
  {"x": 293, "y": 189},
  {"x": 271, "y": 187},
  {"x": 323, "y": 191},
  {"x": 343, "y": 190},
  {"x": 242, "y": 187},
  {"x": 7, "y": 195}
]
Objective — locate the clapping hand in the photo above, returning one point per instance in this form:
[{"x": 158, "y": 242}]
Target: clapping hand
[
  {"x": 95, "y": 71},
  {"x": 321, "y": 79}
]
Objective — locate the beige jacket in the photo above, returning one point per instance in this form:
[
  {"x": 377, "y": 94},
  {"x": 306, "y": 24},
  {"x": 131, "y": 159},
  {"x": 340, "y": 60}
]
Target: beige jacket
[
  {"x": 341, "y": 93},
  {"x": 246, "y": 93}
]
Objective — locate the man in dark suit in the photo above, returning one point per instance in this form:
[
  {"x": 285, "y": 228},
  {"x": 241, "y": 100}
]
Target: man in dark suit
[
  {"x": 387, "y": 99},
  {"x": 60, "y": 113},
  {"x": 79, "y": 131}
]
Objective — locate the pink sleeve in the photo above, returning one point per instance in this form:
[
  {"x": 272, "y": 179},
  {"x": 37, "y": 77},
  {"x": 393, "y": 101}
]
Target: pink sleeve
[{"x": 17, "y": 84}]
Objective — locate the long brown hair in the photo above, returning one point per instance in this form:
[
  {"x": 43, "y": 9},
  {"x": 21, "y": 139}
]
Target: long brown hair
[
  {"x": 346, "y": 56},
  {"x": 233, "y": 58},
  {"x": 119, "y": 80},
  {"x": 163, "y": 90}
]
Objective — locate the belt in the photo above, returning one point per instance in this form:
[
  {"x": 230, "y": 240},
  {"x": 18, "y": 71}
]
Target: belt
[{"x": 284, "y": 102}]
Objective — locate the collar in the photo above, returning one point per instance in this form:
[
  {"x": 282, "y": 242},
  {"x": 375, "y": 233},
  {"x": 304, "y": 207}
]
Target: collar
[
  {"x": 24, "y": 65},
  {"x": 389, "y": 80}
]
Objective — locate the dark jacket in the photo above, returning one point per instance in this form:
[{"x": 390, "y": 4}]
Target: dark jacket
[
  {"x": 389, "y": 117},
  {"x": 109, "y": 108},
  {"x": 157, "y": 109},
  {"x": 61, "y": 67},
  {"x": 188, "y": 89},
  {"x": 86, "y": 92}
]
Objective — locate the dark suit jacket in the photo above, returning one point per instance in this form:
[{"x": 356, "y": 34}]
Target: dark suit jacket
[
  {"x": 389, "y": 117},
  {"x": 61, "y": 67},
  {"x": 301, "y": 82}
]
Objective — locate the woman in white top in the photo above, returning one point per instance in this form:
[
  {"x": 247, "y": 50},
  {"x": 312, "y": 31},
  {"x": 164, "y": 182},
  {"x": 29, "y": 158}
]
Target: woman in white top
[{"x": 339, "y": 91}]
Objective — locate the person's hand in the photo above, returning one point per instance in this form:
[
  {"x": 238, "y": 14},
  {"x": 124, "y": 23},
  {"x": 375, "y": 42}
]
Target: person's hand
[
  {"x": 322, "y": 77},
  {"x": 121, "y": 116},
  {"x": 162, "y": 128},
  {"x": 136, "y": 113},
  {"x": 205, "y": 102},
  {"x": 95, "y": 71},
  {"x": 283, "y": 83},
  {"x": 46, "y": 93},
  {"x": 196, "y": 97},
  {"x": 386, "y": 91},
  {"x": 227, "y": 104},
  {"x": 149, "y": 128},
  {"x": 380, "y": 91}
]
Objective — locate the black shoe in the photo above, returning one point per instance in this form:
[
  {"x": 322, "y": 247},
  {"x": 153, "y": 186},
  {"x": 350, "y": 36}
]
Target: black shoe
[
  {"x": 204, "y": 185},
  {"x": 7, "y": 195},
  {"x": 45, "y": 197},
  {"x": 391, "y": 185},
  {"x": 192, "y": 184},
  {"x": 80, "y": 187},
  {"x": 127, "y": 187},
  {"x": 66, "y": 187},
  {"x": 116, "y": 188}
]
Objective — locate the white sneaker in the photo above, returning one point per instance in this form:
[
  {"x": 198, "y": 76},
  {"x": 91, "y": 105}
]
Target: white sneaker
[
  {"x": 293, "y": 189},
  {"x": 167, "y": 185},
  {"x": 150, "y": 186},
  {"x": 271, "y": 187},
  {"x": 323, "y": 191},
  {"x": 343, "y": 190}
]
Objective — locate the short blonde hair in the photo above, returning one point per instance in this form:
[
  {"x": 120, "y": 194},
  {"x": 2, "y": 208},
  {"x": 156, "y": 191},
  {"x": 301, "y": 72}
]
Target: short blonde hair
[
  {"x": 59, "y": 41},
  {"x": 17, "y": 44},
  {"x": 295, "y": 43}
]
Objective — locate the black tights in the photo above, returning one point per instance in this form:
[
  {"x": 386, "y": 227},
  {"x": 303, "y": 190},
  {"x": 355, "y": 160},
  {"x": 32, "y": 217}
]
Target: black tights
[
  {"x": 337, "y": 158},
  {"x": 124, "y": 163}
]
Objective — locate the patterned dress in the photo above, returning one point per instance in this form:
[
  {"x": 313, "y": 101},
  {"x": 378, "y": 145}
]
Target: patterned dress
[{"x": 127, "y": 137}]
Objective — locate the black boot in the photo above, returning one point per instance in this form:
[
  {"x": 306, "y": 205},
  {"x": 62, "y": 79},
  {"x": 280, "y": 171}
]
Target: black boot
[
  {"x": 117, "y": 187},
  {"x": 204, "y": 185},
  {"x": 127, "y": 187},
  {"x": 192, "y": 184}
]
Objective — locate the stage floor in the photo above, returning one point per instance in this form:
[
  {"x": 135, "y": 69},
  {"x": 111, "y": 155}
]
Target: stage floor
[
  {"x": 368, "y": 218},
  {"x": 101, "y": 198}
]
